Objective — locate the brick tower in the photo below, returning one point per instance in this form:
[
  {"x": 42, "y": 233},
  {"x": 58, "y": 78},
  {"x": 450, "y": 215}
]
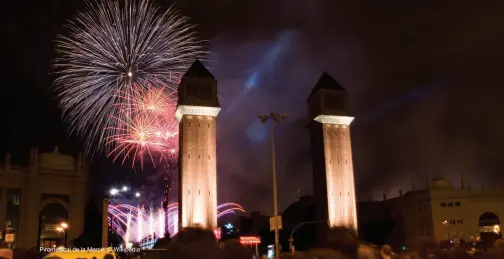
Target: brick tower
[
  {"x": 332, "y": 154},
  {"x": 197, "y": 109}
]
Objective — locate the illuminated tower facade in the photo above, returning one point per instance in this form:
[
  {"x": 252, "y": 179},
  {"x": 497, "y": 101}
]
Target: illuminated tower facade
[
  {"x": 332, "y": 153},
  {"x": 197, "y": 111}
]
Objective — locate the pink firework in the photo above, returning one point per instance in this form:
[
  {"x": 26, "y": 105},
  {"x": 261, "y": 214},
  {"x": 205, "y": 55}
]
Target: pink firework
[{"x": 146, "y": 125}]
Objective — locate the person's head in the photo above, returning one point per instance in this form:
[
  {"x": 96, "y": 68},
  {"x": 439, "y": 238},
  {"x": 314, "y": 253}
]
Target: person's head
[
  {"x": 326, "y": 253},
  {"x": 232, "y": 249},
  {"x": 366, "y": 251},
  {"x": 342, "y": 240},
  {"x": 387, "y": 250},
  {"x": 194, "y": 243}
]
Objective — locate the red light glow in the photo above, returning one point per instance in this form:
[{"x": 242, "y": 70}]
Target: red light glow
[{"x": 250, "y": 240}]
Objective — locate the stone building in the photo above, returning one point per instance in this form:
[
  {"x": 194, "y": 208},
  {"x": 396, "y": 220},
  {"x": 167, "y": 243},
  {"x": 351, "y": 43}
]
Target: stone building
[
  {"x": 36, "y": 199},
  {"x": 443, "y": 212}
]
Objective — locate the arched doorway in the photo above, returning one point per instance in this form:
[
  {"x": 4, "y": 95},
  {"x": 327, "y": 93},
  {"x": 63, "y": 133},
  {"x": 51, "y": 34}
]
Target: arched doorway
[
  {"x": 52, "y": 230},
  {"x": 490, "y": 229}
]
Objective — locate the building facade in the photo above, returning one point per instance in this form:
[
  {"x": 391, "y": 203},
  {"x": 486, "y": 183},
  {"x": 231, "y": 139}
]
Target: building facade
[
  {"x": 333, "y": 174},
  {"x": 38, "y": 199},
  {"x": 197, "y": 110},
  {"x": 443, "y": 212}
]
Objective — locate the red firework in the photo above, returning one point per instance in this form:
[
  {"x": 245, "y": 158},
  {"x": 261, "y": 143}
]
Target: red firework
[{"x": 146, "y": 125}]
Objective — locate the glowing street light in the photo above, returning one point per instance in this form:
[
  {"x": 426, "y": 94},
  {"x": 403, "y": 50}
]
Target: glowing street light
[
  {"x": 137, "y": 194},
  {"x": 113, "y": 192},
  {"x": 125, "y": 188},
  {"x": 275, "y": 118},
  {"x": 63, "y": 227}
]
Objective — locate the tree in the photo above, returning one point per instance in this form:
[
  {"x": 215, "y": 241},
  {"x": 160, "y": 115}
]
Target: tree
[{"x": 92, "y": 235}]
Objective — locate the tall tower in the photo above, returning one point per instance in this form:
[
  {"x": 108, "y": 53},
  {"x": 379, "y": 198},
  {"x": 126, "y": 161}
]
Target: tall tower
[
  {"x": 197, "y": 111},
  {"x": 333, "y": 175}
]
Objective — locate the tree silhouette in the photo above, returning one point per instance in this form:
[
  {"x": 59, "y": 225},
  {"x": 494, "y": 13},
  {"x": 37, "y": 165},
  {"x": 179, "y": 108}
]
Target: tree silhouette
[{"x": 92, "y": 235}]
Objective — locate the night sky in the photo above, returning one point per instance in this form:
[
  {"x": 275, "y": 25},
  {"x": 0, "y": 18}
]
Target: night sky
[{"x": 424, "y": 79}]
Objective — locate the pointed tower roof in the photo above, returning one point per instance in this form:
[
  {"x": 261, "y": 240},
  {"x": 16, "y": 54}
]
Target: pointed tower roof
[
  {"x": 326, "y": 82},
  {"x": 198, "y": 70}
]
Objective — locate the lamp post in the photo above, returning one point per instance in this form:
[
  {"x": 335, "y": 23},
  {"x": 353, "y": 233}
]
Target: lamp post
[
  {"x": 275, "y": 118},
  {"x": 63, "y": 227},
  {"x": 125, "y": 192},
  {"x": 291, "y": 238}
]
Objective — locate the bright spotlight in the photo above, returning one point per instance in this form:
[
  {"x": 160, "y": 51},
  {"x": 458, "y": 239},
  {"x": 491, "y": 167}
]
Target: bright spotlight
[
  {"x": 125, "y": 188},
  {"x": 137, "y": 194}
]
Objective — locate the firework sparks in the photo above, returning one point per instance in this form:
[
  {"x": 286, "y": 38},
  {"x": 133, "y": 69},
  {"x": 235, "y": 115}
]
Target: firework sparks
[
  {"x": 146, "y": 124},
  {"x": 111, "y": 52},
  {"x": 136, "y": 223}
]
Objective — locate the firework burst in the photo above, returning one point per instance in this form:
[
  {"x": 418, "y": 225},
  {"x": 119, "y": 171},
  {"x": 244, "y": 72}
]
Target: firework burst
[
  {"x": 145, "y": 124},
  {"x": 111, "y": 54}
]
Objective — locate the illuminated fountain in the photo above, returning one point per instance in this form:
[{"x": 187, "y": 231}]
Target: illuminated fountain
[{"x": 135, "y": 224}]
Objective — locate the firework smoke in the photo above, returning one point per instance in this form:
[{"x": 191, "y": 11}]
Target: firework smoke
[{"x": 110, "y": 53}]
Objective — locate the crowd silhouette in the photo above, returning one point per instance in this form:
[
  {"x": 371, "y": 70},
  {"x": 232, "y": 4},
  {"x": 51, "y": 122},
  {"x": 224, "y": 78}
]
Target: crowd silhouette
[{"x": 340, "y": 243}]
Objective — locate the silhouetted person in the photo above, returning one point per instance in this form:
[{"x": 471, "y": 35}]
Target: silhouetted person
[
  {"x": 232, "y": 249},
  {"x": 342, "y": 240},
  {"x": 193, "y": 243},
  {"x": 367, "y": 251},
  {"x": 326, "y": 253}
]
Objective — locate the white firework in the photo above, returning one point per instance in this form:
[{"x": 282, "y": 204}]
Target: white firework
[{"x": 110, "y": 48}]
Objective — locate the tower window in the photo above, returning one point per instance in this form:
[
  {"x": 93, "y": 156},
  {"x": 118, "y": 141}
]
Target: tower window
[
  {"x": 199, "y": 156},
  {"x": 199, "y": 192},
  {"x": 209, "y": 193},
  {"x": 199, "y": 125},
  {"x": 443, "y": 204},
  {"x": 208, "y": 125},
  {"x": 188, "y": 192},
  {"x": 208, "y": 157},
  {"x": 188, "y": 156},
  {"x": 457, "y": 204},
  {"x": 450, "y": 204},
  {"x": 189, "y": 124}
]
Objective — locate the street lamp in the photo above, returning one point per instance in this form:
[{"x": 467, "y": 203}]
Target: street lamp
[
  {"x": 113, "y": 192},
  {"x": 275, "y": 118},
  {"x": 63, "y": 227}
]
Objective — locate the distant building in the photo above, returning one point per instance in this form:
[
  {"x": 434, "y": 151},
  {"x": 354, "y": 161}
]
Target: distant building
[
  {"x": 36, "y": 199},
  {"x": 443, "y": 212}
]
